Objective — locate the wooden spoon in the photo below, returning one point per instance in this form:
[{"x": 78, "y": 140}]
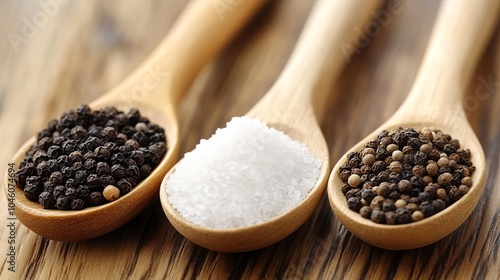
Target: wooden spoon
[
  {"x": 460, "y": 34},
  {"x": 155, "y": 88},
  {"x": 288, "y": 107}
]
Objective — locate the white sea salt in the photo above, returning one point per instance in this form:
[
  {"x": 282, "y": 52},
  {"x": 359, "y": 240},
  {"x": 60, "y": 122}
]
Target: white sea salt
[{"x": 245, "y": 174}]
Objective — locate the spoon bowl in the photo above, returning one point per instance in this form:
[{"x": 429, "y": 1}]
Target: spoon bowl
[
  {"x": 428, "y": 230},
  {"x": 155, "y": 89},
  {"x": 434, "y": 102},
  {"x": 291, "y": 106}
]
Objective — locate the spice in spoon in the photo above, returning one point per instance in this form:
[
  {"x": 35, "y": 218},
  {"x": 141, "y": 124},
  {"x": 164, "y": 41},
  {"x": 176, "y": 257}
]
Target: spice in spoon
[
  {"x": 245, "y": 174},
  {"x": 405, "y": 175},
  {"x": 88, "y": 158}
]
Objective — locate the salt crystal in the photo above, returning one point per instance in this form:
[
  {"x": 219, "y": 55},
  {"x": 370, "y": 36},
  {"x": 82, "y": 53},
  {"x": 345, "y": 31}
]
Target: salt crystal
[{"x": 245, "y": 174}]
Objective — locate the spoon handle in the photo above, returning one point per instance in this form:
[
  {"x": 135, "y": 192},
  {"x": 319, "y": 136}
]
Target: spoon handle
[
  {"x": 458, "y": 39},
  {"x": 334, "y": 30},
  {"x": 200, "y": 32}
]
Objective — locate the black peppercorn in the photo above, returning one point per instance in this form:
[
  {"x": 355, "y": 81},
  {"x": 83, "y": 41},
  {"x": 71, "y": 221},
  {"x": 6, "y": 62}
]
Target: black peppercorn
[
  {"x": 70, "y": 183},
  {"x": 354, "y": 204},
  {"x": 427, "y": 209},
  {"x": 93, "y": 180},
  {"x": 390, "y": 218},
  {"x": 366, "y": 212},
  {"x": 70, "y": 193},
  {"x": 102, "y": 168},
  {"x": 76, "y": 156},
  {"x": 124, "y": 185},
  {"x": 367, "y": 195},
  {"x": 90, "y": 165},
  {"x": 96, "y": 198},
  {"x": 107, "y": 180},
  {"x": 67, "y": 172},
  {"x": 438, "y": 205},
  {"x": 72, "y": 154},
  {"x": 82, "y": 191},
  {"x": 378, "y": 216},
  {"x": 77, "y": 204},
  {"x": 345, "y": 188},
  {"x": 54, "y": 152},
  {"x": 102, "y": 153},
  {"x": 62, "y": 203},
  {"x": 145, "y": 170},
  {"x": 58, "y": 191},
  {"x": 118, "y": 171},
  {"x": 388, "y": 205},
  {"x": 46, "y": 200},
  {"x": 403, "y": 216},
  {"x": 56, "y": 178},
  {"x": 81, "y": 176},
  {"x": 32, "y": 192}
]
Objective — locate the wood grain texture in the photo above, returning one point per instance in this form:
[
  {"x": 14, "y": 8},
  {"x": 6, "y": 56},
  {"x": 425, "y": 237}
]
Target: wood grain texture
[{"x": 87, "y": 47}]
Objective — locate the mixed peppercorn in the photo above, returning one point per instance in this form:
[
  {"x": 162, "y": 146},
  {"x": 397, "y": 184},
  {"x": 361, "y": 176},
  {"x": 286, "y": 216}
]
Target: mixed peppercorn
[
  {"x": 406, "y": 175},
  {"x": 88, "y": 158}
]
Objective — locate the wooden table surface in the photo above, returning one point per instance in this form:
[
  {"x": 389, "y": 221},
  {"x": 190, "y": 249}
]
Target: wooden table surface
[{"x": 56, "y": 55}]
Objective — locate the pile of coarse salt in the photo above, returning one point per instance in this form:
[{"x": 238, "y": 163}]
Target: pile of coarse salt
[{"x": 245, "y": 174}]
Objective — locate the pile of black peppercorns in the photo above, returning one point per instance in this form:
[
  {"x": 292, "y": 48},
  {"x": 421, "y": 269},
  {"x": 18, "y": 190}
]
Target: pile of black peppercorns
[
  {"x": 87, "y": 158},
  {"x": 406, "y": 175}
]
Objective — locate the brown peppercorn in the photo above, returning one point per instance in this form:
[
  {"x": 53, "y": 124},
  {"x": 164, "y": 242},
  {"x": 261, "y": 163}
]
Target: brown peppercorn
[
  {"x": 396, "y": 167},
  {"x": 432, "y": 169},
  {"x": 427, "y": 133},
  {"x": 397, "y": 155},
  {"x": 419, "y": 170},
  {"x": 111, "y": 193},
  {"x": 427, "y": 179},
  {"x": 383, "y": 189},
  {"x": 467, "y": 181},
  {"x": 444, "y": 179},
  {"x": 377, "y": 201},
  {"x": 412, "y": 207},
  {"x": 463, "y": 189},
  {"x": 369, "y": 159},
  {"x": 391, "y": 148},
  {"x": 367, "y": 151},
  {"x": 455, "y": 157},
  {"x": 400, "y": 203},
  {"x": 407, "y": 150},
  {"x": 467, "y": 172},
  {"x": 417, "y": 216},
  {"x": 354, "y": 180},
  {"x": 443, "y": 161},
  {"x": 441, "y": 194},
  {"x": 386, "y": 141},
  {"x": 404, "y": 186},
  {"x": 426, "y": 148}
]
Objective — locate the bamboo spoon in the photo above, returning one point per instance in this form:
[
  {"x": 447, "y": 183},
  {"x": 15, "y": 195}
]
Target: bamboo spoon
[
  {"x": 458, "y": 39},
  {"x": 155, "y": 88},
  {"x": 288, "y": 107}
]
